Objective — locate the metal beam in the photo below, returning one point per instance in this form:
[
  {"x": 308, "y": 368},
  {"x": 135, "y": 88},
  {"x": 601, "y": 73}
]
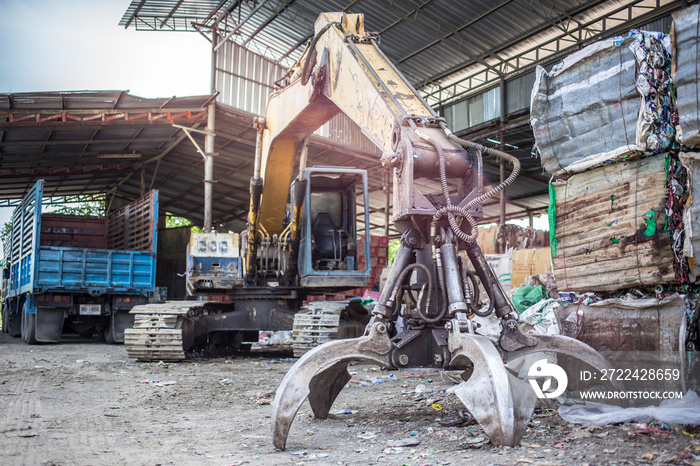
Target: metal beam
[
  {"x": 552, "y": 49},
  {"x": 269, "y": 19},
  {"x": 172, "y": 12},
  {"x": 136, "y": 12}
]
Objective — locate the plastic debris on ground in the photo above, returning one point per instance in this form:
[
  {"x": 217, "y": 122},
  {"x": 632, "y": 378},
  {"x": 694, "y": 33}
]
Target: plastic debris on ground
[
  {"x": 528, "y": 295},
  {"x": 685, "y": 411},
  {"x": 278, "y": 338},
  {"x": 540, "y": 318}
]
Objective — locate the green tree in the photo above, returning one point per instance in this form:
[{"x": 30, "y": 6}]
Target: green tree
[
  {"x": 173, "y": 221},
  {"x": 393, "y": 249},
  {"x": 5, "y": 232},
  {"x": 85, "y": 205}
]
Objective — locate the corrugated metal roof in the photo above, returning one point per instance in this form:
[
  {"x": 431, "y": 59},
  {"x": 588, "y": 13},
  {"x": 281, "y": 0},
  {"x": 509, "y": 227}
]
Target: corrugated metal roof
[
  {"x": 110, "y": 141},
  {"x": 431, "y": 41}
]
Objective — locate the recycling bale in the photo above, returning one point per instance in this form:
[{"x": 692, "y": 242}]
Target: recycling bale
[
  {"x": 610, "y": 227},
  {"x": 607, "y": 102},
  {"x": 685, "y": 71}
]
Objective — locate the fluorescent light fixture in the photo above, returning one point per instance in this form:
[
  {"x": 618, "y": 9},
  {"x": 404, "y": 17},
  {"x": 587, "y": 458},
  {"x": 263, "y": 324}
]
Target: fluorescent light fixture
[
  {"x": 493, "y": 141},
  {"x": 119, "y": 156}
]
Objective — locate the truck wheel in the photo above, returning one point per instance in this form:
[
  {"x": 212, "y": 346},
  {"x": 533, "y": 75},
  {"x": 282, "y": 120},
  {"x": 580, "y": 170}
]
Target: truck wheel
[
  {"x": 109, "y": 329},
  {"x": 109, "y": 334},
  {"x": 14, "y": 322},
  {"x": 5, "y": 321},
  {"x": 28, "y": 326}
]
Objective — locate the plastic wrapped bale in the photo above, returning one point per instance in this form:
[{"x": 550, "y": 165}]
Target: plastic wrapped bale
[
  {"x": 594, "y": 108},
  {"x": 610, "y": 228},
  {"x": 586, "y": 107},
  {"x": 691, "y": 214},
  {"x": 685, "y": 35}
]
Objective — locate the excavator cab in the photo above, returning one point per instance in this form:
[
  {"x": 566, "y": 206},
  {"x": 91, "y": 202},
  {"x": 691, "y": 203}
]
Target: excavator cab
[{"x": 329, "y": 255}]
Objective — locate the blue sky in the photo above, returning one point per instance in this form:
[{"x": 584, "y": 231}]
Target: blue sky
[
  {"x": 68, "y": 45},
  {"x": 54, "y": 45}
]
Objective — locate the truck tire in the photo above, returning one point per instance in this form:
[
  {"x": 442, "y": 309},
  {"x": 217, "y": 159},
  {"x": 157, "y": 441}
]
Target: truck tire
[
  {"x": 28, "y": 326},
  {"x": 108, "y": 331},
  {"x": 109, "y": 334},
  {"x": 5, "y": 320}
]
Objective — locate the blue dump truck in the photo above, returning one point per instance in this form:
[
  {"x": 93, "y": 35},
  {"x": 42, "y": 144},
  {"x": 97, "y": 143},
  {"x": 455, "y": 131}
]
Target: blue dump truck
[{"x": 77, "y": 274}]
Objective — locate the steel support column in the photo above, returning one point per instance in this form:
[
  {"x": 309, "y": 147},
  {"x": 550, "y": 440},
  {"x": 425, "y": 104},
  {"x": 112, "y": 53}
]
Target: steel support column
[{"x": 209, "y": 166}]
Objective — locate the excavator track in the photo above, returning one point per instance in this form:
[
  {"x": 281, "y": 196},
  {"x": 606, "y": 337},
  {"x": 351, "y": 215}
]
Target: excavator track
[
  {"x": 157, "y": 331},
  {"x": 316, "y": 323},
  {"x": 319, "y": 322}
]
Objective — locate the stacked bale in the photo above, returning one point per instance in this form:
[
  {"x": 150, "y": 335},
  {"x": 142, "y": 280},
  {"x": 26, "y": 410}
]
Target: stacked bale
[
  {"x": 685, "y": 36},
  {"x": 607, "y": 102},
  {"x": 603, "y": 121},
  {"x": 686, "y": 73}
]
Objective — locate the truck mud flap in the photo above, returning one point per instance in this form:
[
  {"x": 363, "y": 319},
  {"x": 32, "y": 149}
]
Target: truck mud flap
[
  {"x": 120, "y": 321},
  {"x": 49, "y": 324}
]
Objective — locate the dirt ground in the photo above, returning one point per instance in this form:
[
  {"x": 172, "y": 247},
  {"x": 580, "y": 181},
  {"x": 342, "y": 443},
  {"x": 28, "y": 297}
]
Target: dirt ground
[{"x": 82, "y": 402}]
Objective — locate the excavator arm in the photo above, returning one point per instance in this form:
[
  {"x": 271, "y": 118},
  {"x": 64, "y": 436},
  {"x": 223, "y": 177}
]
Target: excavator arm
[
  {"x": 351, "y": 75},
  {"x": 343, "y": 70}
]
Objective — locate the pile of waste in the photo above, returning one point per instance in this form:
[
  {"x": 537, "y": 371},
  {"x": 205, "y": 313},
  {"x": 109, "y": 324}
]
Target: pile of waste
[
  {"x": 608, "y": 102},
  {"x": 685, "y": 69},
  {"x": 616, "y": 124}
]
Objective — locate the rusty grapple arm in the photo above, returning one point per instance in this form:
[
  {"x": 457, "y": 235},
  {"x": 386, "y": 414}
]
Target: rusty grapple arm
[
  {"x": 431, "y": 287},
  {"x": 437, "y": 275},
  {"x": 501, "y": 403}
]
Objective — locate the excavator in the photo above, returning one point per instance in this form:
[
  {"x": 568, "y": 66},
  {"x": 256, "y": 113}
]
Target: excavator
[
  {"x": 258, "y": 280},
  {"x": 439, "y": 271},
  {"x": 301, "y": 239}
]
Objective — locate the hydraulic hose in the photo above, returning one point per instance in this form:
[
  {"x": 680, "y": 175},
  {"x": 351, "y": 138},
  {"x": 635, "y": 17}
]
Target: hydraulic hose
[
  {"x": 311, "y": 59},
  {"x": 449, "y": 208},
  {"x": 422, "y": 312},
  {"x": 500, "y": 154}
]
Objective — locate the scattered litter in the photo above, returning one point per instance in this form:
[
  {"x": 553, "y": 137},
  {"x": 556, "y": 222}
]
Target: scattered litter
[
  {"x": 345, "y": 411},
  {"x": 166, "y": 384},
  {"x": 367, "y": 435},
  {"x": 680, "y": 411},
  {"x": 393, "y": 450},
  {"x": 476, "y": 442},
  {"x": 405, "y": 442},
  {"x": 299, "y": 453}
]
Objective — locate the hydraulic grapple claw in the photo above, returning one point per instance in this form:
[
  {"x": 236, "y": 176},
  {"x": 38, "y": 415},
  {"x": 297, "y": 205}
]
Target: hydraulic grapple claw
[
  {"x": 571, "y": 347},
  {"x": 321, "y": 374},
  {"x": 499, "y": 402}
]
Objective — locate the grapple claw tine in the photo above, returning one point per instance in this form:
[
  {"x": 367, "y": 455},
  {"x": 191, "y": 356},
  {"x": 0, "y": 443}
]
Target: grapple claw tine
[
  {"x": 321, "y": 374},
  {"x": 499, "y": 402},
  {"x": 570, "y": 347}
]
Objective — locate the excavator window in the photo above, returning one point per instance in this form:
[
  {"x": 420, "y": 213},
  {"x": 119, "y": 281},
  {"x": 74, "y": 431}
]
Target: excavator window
[{"x": 329, "y": 203}]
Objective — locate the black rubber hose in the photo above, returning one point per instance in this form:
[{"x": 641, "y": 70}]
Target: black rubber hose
[{"x": 311, "y": 59}]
